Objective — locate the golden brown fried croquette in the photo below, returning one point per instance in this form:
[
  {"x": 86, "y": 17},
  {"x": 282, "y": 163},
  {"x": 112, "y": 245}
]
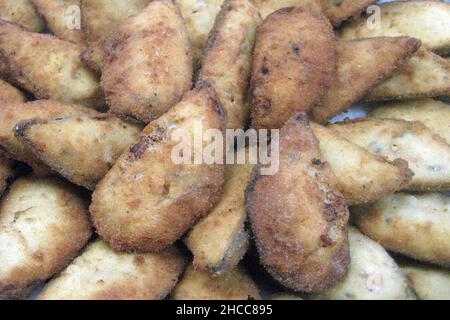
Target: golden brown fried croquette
[
  {"x": 293, "y": 65},
  {"x": 99, "y": 18},
  {"x": 361, "y": 65},
  {"x": 266, "y": 7},
  {"x": 232, "y": 285},
  {"x": 199, "y": 17},
  {"x": 428, "y": 154},
  {"x": 7, "y": 172},
  {"x": 432, "y": 113},
  {"x": 148, "y": 200},
  {"x": 61, "y": 16},
  {"x": 424, "y": 75},
  {"x": 10, "y": 94},
  {"x": 100, "y": 273},
  {"x": 372, "y": 275},
  {"x": 228, "y": 58},
  {"x": 12, "y": 114},
  {"x": 22, "y": 12},
  {"x": 428, "y": 21},
  {"x": 362, "y": 177},
  {"x": 50, "y": 68},
  {"x": 80, "y": 148},
  {"x": 148, "y": 65},
  {"x": 416, "y": 225},
  {"x": 218, "y": 254},
  {"x": 299, "y": 220},
  {"x": 428, "y": 282},
  {"x": 43, "y": 226},
  {"x": 342, "y": 10}
]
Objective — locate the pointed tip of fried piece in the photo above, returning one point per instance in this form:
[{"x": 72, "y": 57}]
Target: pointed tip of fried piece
[{"x": 340, "y": 11}]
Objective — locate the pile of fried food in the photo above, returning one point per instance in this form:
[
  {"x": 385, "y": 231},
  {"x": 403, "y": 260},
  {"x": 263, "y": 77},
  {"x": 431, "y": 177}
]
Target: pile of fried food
[{"x": 93, "y": 207}]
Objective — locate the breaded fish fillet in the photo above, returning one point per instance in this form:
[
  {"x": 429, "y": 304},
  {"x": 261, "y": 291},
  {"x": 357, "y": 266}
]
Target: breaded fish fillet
[
  {"x": 293, "y": 65},
  {"x": 100, "y": 273},
  {"x": 149, "y": 199},
  {"x": 228, "y": 58},
  {"x": 43, "y": 226},
  {"x": 80, "y": 148},
  {"x": 148, "y": 65},
  {"x": 22, "y": 12},
  {"x": 298, "y": 218}
]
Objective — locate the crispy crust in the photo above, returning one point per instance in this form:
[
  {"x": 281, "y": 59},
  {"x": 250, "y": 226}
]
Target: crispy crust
[
  {"x": 80, "y": 148},
  {"x": 148, "y": 65},
  {"x": 44, "y": 224},
  {"x": 298, "y": 219},
  {"x": 293, "y": 65},
  {"x": 147, "y": 202},
  {"x": 362, "y": 65},
  {"x": 10, "y": 94},
  {"x": 342, "y": 10},
  {"x": 22, "y": 12},
  {"x": 228, "y": 58}
]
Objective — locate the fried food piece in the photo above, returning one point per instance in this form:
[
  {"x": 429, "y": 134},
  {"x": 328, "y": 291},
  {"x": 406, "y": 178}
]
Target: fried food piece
[
  {"x": 6, "y": 172},
  {"x": 432, "y": 113},
  {"x": 50, "y": 68},
  {"x": 218, "y": 254},
  {"x": 199, "y": 17},
  {"x": 428, "y": 154},
  {"x": 100, "y": 273},
  {"x": 266, "y": 7},
  {"x": 80, "y": 148},
  {"x": 424, "y": 75},
  {"x": 99, "y": 19},
  {"x": 372, "y": 275},
  {"x": 10, "y": 94},
  {"x": 417, "y": 225},
  {"x": 228, "y": 58},
  {"x": 147, "y": 200},
  {"x": 342, "y": 10},
  {"x": 360, "y": 66},
  {"x": 60, "y": 15},
  {"x": 362, "y": 177},
  {"x": 232, "y": 285},
  {"x": 148, "y": 65},
  {"x": 6, "y": 26},
  {"x": 43, "y": 226},
  {"x": 428, "y": 282},
  {"x": 11, "y": 114},
  {"x": 293, "y": 65},
  {"x": 428, "y": 21},
  {"x": 299, "y": 220},
  {"x": 23, "y": 13}
]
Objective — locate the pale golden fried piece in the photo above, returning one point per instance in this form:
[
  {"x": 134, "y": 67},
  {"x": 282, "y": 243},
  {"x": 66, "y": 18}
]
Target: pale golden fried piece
[
  {"x": 428, "y": 282},
  {"x": 266, "y": 7},
  {"x": 417, "y": 226},
  {"x": 148, "y": 65},
  {"x": 199, "y": 17},
  {"x": 339, "y": 11},
  {"x": 424, "y": 75},
  {"x": 7, "y": 26},
  {"x": 228, "y": 58},
  {"x": 372, "y": 275},
  {"x": 432, "y": 113},
  {"x": 100, "y": 273},
  {"x": 218, "y": 254},
  {"x": 428, "y": 154},
  {"x": 50, "y": 68},
  {"x": 61, "y": 16},
  {"x": 80, "y": 148},
  {"x": 362, "y": 177},
  {"x": 428, "y": 21},
  {"x": 6, "y": 172},
  {"x": 232, "y": 285},
  {"x": 12, "y": 114},
  {"x": 99, "y": 19},
  {"x": 149, "y": 199},
  {"x": 10, "y": 94},
  {"x": 23, "y": 13},
  {"x": 293, "y": 65},
  {"x": 299, "y": 220},
  {"x": 360, "y": 66},
  {"x": 43, "y": 226}
]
